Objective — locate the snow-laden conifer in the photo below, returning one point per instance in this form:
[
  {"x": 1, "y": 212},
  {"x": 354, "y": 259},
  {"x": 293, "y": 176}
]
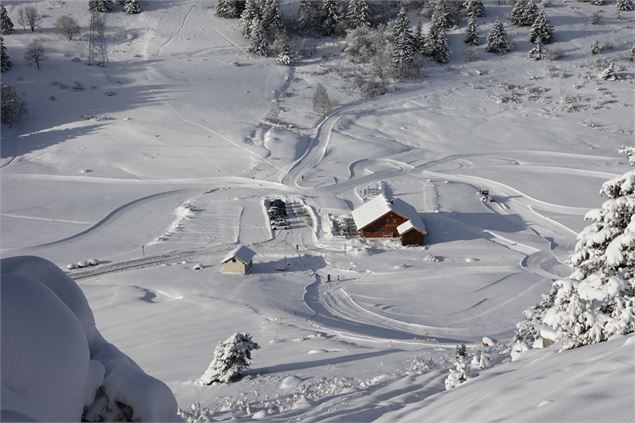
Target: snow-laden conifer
[
  {"x": 271, "y": 17},
  {"x": 231, "y": 358},
  {"x": 250, "y": 12},
  {"x": 101, "y": 6},
  {"x": 12, "y": 108},
  {"x": 474, "y": 8},
  {"x": 6, "y": 25},
  {"x": 441, "y": 15},
  {"x": 132, "y": 7},
  {"x": 597, "y": 300},
  {"x": 321, "y": 101},
  {"x": 419, "y": 39},
  {"x": 283, "y": 50},
  {"x": 524, "y": 13},
  {"x": 5, "y": 63},
  {"x": 357, "y": 14},
  {"x": 624, "y": 5},
  {"x": 258, "y": 38},
  {"x": 309, "y": 16},
  {"x": 472, "y": 35},
  {"x": 497, "y": 40},
  {"x": 331, "y": 17},
  {"x": 403, "y": 53},
  {"x": 541, "y": 30}
]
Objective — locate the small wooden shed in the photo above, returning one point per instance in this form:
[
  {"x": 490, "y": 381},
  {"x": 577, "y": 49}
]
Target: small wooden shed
[{"x": 239, "y": 260}]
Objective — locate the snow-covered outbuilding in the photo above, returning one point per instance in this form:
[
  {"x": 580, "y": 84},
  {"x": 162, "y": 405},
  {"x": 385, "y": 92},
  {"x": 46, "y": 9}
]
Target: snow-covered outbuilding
[
  {"x": 239, "y": 260},
  {"x": 394, "y": 218}
]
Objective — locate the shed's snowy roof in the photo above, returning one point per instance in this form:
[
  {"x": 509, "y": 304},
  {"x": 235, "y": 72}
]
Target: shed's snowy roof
[
  {"x": 377, "y": 207},
  {"x": 241, "y": 253},
  {"x": 409, "y": 224}
]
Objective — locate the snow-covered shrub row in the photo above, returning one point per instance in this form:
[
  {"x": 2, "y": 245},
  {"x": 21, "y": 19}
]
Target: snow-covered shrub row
[
  {"x": 56, "y": 366},
  {"x": 597, "y": 300}
]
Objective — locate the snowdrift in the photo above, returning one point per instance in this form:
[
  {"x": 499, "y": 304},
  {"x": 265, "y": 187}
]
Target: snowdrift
[
  {"x": 542, "y": 386},
  {"x": 56, "y": 366}
]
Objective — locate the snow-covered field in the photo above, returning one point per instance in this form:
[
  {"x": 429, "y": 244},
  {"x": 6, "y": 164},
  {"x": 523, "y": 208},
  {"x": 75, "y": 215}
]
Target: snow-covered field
[{"x": 177, "y": 169}]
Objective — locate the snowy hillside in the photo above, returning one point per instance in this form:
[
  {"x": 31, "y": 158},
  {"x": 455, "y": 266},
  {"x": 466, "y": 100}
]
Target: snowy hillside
[{"x": 166, "y": 159}]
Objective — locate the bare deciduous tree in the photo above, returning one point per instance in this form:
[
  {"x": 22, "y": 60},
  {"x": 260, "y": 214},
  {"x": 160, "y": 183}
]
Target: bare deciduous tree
[
  {"x": 34, "y": 53},
  {"x": 66, "y": 26},
  {"x": 29, "y": 16}
]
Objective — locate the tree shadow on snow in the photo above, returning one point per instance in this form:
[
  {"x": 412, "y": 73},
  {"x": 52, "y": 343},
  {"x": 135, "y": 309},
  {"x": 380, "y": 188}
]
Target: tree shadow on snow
[{"x": 303, "y": 365}]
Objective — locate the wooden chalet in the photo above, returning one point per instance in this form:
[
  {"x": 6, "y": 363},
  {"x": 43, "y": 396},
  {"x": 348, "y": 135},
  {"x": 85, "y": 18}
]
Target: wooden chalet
[{"x": 394, "y": 218}]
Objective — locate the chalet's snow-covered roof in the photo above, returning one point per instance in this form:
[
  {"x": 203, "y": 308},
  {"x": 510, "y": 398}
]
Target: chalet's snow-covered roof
[
  {"x": 372, "y": 210},
  {"x": 410, "y": 224},
  {"x": 242, "y": 253}
]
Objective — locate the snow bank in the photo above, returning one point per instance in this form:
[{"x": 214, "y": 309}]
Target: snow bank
[
  {"x": 54, "y": 360},
  {"x": 545, "y": 386}
]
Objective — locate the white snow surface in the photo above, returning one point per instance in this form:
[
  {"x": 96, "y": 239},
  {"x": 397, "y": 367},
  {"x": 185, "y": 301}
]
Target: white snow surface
[{"x": 187, "y": 126}]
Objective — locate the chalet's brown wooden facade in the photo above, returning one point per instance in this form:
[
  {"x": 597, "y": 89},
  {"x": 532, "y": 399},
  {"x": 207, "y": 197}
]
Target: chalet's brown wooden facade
[
  {"x": 383, "y": 218},
  {"x": 412, "y": 237},
  {"x": 384, "y": 227}
]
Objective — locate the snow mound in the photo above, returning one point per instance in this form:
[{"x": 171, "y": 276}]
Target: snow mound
[
  {"x": 289, "y": 383},
  {"x": 54, "y": 360}
]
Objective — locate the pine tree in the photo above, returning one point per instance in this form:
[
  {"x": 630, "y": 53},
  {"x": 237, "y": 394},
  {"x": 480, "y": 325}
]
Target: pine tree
[
  {"x": 5, "y": 63},
  {"x": 403, "y": 54},
  {"x": 12, "y": 108},
  {"x": 597, "y": 300},
  {"x": 441, "y": 52},
  {"x": 231, "y": 358},
  {"x": 441, "y": 16},
  {"x": 472, "y": 36},
  {"x": 497, "y": 40},
  {"x": 536, "y": 52},
  {"x": 524, "y": 13},
  {"x": 272, "y": 19},
  {"x": 6, "y": 26},
  {"x": 624, "y": 5},
  {"x": 357, "y": 14},
  {"x": 226, "y": 9},
  {"x": 250, "y": 12},
  {"x": 321, "y": 101},
  {"x": 419, "y": 39},
  {"x": 258, "y": 38},
  {"x": 101, "y": 6},
  {"x": 437, "y": 40},
  {"x": 330, "y": 17},
  {"x": 281, "y": 46},
  {"x": 308, "y": 17},
  {"x": 541, "y": 30},
  {"x": 474, "y": 8},
  {"x": 132, "y": 7}
]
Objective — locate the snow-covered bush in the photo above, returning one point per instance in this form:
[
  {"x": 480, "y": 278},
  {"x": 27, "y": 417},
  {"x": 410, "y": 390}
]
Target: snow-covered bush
[
  {"x": 608, "y": 74},
  {"x": 231, "y": 358},
  {"x": 461, "y": 371},
  {"x": 597, "y": 300},
  {"x": 55, "y": 360}
]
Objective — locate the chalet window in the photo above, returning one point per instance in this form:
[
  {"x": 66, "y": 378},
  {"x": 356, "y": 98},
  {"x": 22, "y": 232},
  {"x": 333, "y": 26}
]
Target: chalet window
[{"x": 391, "y": 220}]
